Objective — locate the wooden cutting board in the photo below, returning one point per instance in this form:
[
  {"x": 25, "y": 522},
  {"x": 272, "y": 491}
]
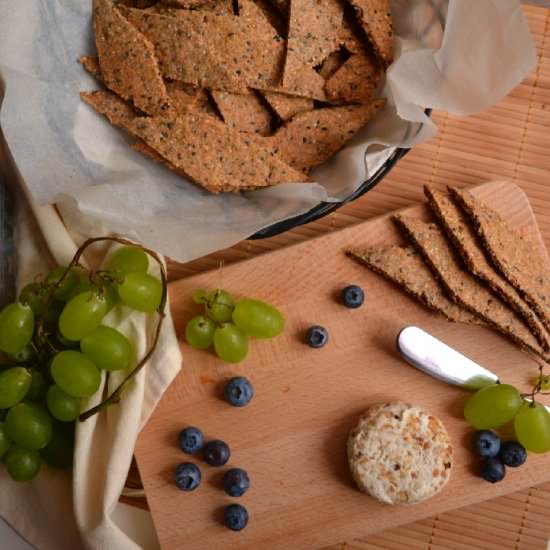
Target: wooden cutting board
[{"x": 291, "y": 438}]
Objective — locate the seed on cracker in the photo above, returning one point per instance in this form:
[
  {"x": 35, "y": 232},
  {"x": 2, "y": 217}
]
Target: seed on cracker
[
  {"x": 312, "y": 137},
  {"x": 354, "y": 82},
  {"x": 286, "y": 106},
  {"x": 406, "y": 268},
  {"x": 464, "y": 238},
  {"x": 519, "y": 259},
  {"x": 208, "y": 151},
  {"x": 463, "y": 287},
  {"x": 127, "y": 60}
]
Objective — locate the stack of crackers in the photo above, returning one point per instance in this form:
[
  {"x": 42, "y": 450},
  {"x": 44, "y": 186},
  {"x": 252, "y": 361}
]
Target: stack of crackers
[
  {"x": 471, "y": 266},
  {"x": 240, "y": 94}
]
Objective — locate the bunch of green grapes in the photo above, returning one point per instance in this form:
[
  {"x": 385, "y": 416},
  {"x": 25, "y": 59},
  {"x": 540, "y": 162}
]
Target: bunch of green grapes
[
  {"x": 498, "y": 404},
  {"x": 228, "y": 325},
  {"x": 55, "y": 347}
]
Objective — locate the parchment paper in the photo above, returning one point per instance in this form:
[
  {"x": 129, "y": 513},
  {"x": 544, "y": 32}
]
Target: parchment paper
[{"x": 71, "y": 156}]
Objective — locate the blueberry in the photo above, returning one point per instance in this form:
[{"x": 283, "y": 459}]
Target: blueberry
[
  {"x": 238, "y": 391},
  {"x": 235, "y": 517},
  {"x": 188, "y": 476},
  {"x": 191, "y": 440},
  {"x": 316, "y": 336},
  {"x": 353, "y": 296},
  {"x": 492, "y": 469},
  {"x": 486, "y": 443},
  {"x": 216, "y": 453},
  {"x": 236, "y": 482},
  {"x": 512, "y": 454}
]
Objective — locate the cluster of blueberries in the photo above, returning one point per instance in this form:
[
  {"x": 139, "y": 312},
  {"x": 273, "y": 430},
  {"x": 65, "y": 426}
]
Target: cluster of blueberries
[
  {"x": 496, "y": 455},
  {"x": 352, "y": 296},
  {"x": 238, "y": 392}
]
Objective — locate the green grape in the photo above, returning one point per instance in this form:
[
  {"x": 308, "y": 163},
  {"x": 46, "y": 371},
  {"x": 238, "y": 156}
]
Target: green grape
[
  {"x": 75, "y": 373},
  {"x": 220, "y": 306},
  {"x": 532, "y": 427},
  {"x": 22, "y": 464},
  {"x": 141, "y": 292},
  {"x": 25, "y": 356},
  {"x": 39, "y": 386},
  {"x": 14, "y": 385},
  {"x": 5, "y": 441},
  {"x": 107, "y": 348},
  {"x": 29, "y": 425},
  {"x": 492, "y": 406},
  {"x": 230, "y": 343},
  {"x": 35, "y": 296},
  {"x": 256, "y": 318},
  {"x": 84, "y": 285},
  {"x": 111, "y": 296},
  {"x": 544, "y": 382},
  {"x": 16, "y": 327},
  {"x": 62, "y": 406},
  {"x": 58, "y": 453},
  {"x": 199, "y": 332},
  {"x": 109, "y": 292},
  {"x": 70, "y": 281},
  {"x": 128, "y": 259},
  {"x": 82, "y": 315},
  {"x": 200, "y": 296}
]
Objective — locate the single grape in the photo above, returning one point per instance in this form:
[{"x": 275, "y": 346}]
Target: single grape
[
  {"x": 29, "y": 425},
  {"x": 58, "y": 453},
  {"x": 141, "y": 292},
  {"x": 532, "y": 427},
  {"x": 75, "y": 373},
  {"x": 5, "y": 441},
  {"x": 544, "y": 382},
  {"x": 39, "y": 386},
  {"x": 492, "y": 406},
  {"x": 200, "y": 296},
  {"x": 107, "y": 348},
  {"x": 256, "y": 318},
  {"x": 82, "y": 315},
  {"x": 230, "y": 343},
  {"x": 199, "y": 332},
  {"x": 219, "y": 305},
  {"x": 14, "y": 385},
  {"x": 70, "y": 281},
  {"x": 22, "y": 464},
  {"x": 62, "y": 406},
  {"x": 128, "y": 259},
  {"x": 35, "y": 296},
  {"x": 16, "y": 327},
  {"x": 25, "y": 356}
]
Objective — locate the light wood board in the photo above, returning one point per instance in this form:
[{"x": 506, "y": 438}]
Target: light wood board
[{"x": 291, "y": 438}]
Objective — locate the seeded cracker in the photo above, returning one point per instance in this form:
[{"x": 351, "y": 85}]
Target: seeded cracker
[
  {"x": 354, "y": 82},
  {"x": 310, "y": 138},
  {"x": 184, "y": 3},
  {"x": 405, "y": 267},
  {"x": 376, "y": 20},
  {"x": 463, "y": 287},
  {"x": 244, "y": 112},
  {"x": 515, "y": 256},
  {"x": 208, "y": 151},
  {"x": 127, "y": 60},
  {"x": 287, "y": 106},
  {"x": 91, "y": 64},
  {"x": 465, "y": 240}
]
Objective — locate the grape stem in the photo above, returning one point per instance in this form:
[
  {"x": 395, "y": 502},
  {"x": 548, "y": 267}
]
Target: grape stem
[{"x": 115, "y": 397}]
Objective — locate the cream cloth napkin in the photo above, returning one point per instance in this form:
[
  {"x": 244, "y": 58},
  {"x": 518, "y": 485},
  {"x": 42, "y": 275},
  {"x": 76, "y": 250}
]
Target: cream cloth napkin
[{"x": 58, "y": 511}]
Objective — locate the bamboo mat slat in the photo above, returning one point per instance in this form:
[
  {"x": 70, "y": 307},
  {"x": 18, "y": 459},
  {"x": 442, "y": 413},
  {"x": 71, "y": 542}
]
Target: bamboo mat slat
[{"x": 509, "y": 141}]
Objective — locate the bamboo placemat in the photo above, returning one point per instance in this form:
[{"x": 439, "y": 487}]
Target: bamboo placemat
[{"x": 510, "y": 141}]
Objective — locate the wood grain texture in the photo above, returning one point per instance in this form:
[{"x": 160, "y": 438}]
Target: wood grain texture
[{"x": 291, "y": 439}]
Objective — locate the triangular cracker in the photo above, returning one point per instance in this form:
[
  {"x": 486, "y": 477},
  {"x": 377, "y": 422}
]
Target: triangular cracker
[
  {"x": 244, "y": 112},
  {"x": 286, "y": 106}
]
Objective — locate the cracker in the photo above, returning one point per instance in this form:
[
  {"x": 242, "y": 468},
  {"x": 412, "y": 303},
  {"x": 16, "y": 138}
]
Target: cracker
[
  {"x": 219, "y": 6},
  {"x": 208, "y": 151},
  {"x": 354, "y": 82},
  {"x": 91, "y": 64},
  {"x": 519, "y": 260},
  {"x": 244, "y": 112},
  {"x": 399, "y": 453},
  {"x": 127, "y": 60},
  {"x": 287, "y": 106},
  {"x": 466, "y": 242},
  {"x": 406, "y": 268},
  {"x": 375, "y": 18},
  {"x": 332, "y": 63},
  {"x": 463, "y": 287},
  {"x": 311, "y": 138},
  {"x": 185, "y": 3}
]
